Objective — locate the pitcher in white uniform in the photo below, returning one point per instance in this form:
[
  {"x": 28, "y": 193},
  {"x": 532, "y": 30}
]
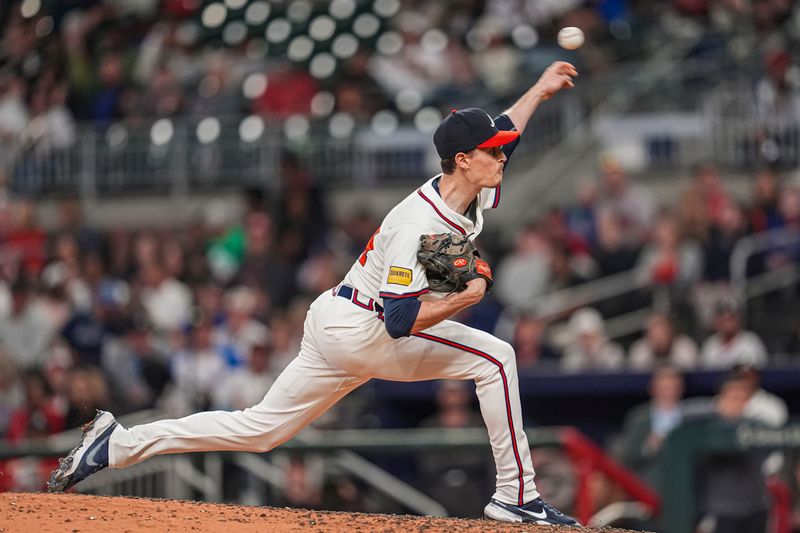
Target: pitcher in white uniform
[{"x": 381, "y": 322}]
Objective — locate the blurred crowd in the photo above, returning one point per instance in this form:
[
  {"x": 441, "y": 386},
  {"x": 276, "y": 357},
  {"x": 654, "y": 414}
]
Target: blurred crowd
[
  {"x": 205, "y": 316},
  {"x": 100, "y": 62},
  {"x": 673, "y": 257}
]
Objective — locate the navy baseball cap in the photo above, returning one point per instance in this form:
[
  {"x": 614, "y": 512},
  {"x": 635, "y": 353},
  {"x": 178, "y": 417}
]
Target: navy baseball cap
[{"x": 466, "y": 129}]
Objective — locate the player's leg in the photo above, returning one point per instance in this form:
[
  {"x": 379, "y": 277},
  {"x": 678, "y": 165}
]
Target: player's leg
[
  {"x": 304, "y": 390},
  {"x": 307, "y": 388},
  {"x": 451, "y": 350}
]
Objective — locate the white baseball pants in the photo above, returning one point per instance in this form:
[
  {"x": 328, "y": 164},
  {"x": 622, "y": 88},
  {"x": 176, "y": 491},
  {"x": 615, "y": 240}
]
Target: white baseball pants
[{"x": 344, "y": 345}]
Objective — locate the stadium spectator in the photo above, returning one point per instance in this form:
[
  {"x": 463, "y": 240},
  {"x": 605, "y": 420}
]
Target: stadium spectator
[
  {"x": 86, "y": 391},
  {"x": 555, "y": 228},
  {"x": 66, "y": 272},
  {"x": 286, "y": 337},
  {"x": 731, "y": 344},
  {"x": 320, "y": 271},
  {"x": 777, "y": 104},
  {"x": 264, "y": 267},
  {"x": 589, "y": 348},
  {"x": 27, "y": 238},
  {"x": 13, "y": 116},
  {"x": 166, "y": 300},
  {"x": 532, "y": 350},
  {"x": 11, "y": 392},
  {"x": 661, "y": 345},
  {"x": 144, "y": 252},
  {"x": 36, "y": 418},
  {"x": 174, "y": 259},
  {"x": 290, "y": 91},
  {"x": 785, "y": 250},
  {"x": 412, "y": 68},
  {"x": 208, "y": 297},
  {"x": 197, "y": 369},
  {"x": 303, "y": 478},
  {"x": 85, "y": 333},
  {"x": 646, "y": 426},
  {"x": 121, "y": 365},
  {"x": 735, "y": 492},
  {"x": 707, "y": 186},
  {"x": 25, "y": 334},
  {"x": 163, "y": 96},
  {"x": 217, "y": 95},
  {"x": 668, "y": 260},
  {"x": 497, "y": 61},
  {"x": 53, "y": 127},
  {"x": 763, "y": 406},
  {"x": 612, "y": 253},
  {"x": 246, "y": 386},
  {"x": 764, "y": 212},
  {"x": 633, "y": 204},
  {"x": 39, "y": 415},
  {"x": 225, "y": 248},
  {"x": 357, "y": 93},
  {"x": 567, "y": 271},
  {"x": 523, "y": 274},
  {"x": 581, "y": 218},
  {"x": 723, "y": 237},
  {"x": 240, "y": 329}
]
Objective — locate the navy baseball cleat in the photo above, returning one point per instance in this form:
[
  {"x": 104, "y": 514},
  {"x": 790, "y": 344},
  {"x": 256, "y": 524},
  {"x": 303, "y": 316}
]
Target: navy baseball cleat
[
  {"x": 88, "y": 457},
  {"x": 535, "y": 511}
]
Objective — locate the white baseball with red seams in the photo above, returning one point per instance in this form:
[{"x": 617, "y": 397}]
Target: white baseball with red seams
[
  {"x": 570, "y": 38},
  {"x": 345, "y": 345}
]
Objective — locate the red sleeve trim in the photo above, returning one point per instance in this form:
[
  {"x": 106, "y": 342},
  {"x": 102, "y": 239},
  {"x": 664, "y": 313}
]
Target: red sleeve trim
[{"x": 404, "y": 295}]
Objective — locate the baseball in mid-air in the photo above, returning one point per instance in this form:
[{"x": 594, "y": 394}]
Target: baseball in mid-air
[{"x": 570, "y": 38}]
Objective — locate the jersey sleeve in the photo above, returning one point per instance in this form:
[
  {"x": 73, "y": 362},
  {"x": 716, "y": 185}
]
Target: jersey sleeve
[
  {"x": 490, "y": 198},
  {"x": 403, "y": 276}
]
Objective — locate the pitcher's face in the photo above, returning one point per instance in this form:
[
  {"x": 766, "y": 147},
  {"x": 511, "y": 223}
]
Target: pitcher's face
[{"x": 486, "y": 167}]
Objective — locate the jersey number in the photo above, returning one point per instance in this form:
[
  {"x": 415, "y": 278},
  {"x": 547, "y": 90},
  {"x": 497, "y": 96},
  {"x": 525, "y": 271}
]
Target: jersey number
[{"x": 370, "y": 246}]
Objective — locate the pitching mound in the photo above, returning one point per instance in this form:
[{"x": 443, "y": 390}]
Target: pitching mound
[{"x": 79, "y": 513}]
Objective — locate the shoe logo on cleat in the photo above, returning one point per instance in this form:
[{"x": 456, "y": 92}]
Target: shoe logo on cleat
[
  {"x": 543, "y": 514},
  {"x": 91, "y": 454}
]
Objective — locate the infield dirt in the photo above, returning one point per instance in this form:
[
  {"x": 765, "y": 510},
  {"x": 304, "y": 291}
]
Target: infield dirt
[{"x": 78, "y": 513}]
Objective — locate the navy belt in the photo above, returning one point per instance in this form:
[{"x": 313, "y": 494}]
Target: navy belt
[{"x": 352, "y": 294}]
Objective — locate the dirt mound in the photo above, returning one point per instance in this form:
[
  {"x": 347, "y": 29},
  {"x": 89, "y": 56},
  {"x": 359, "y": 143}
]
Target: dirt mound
[{"x": 40, "y": 513}]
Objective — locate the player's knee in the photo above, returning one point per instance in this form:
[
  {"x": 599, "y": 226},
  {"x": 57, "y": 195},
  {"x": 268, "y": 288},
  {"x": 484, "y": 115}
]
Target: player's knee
[{"x": 504, "y": 353}]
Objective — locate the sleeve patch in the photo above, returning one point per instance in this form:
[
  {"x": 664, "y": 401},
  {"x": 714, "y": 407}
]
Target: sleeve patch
[{"x": 399, "y": 276}]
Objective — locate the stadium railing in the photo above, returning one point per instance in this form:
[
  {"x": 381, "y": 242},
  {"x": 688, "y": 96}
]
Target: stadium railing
[
  {"x": 746, "y": 284},
  {"x": 185, "y": 155},
  {"x": 178, "y": 476},
  {"x": 189, "y": 155}
]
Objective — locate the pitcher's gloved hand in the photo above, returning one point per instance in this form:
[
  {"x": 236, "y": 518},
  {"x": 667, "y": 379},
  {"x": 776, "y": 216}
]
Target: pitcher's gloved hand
[{"x": 450, "y": 261}]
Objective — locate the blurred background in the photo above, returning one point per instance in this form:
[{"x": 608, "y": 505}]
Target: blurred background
[{"x": 180, "y": 178}]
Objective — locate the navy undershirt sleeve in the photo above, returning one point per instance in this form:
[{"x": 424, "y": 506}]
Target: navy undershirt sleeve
[
  {"x": 400, "y": 315},
  {"x": 503, "y": 123}
]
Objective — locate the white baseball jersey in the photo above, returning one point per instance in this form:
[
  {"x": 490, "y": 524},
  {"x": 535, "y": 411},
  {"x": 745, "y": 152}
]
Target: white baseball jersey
[
  {"x": 345, "y": 344},
  {"x": 388, "y": 268}
]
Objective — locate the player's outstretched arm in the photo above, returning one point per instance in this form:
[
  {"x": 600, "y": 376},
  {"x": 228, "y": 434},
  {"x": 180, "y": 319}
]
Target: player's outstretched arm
[
  {"x": 557, "y": 76},
  {"x": 433, "y": 312}
]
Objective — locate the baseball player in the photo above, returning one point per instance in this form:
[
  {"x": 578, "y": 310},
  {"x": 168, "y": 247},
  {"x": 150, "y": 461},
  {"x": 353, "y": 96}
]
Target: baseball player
[{"x": 381, "y": 322}]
